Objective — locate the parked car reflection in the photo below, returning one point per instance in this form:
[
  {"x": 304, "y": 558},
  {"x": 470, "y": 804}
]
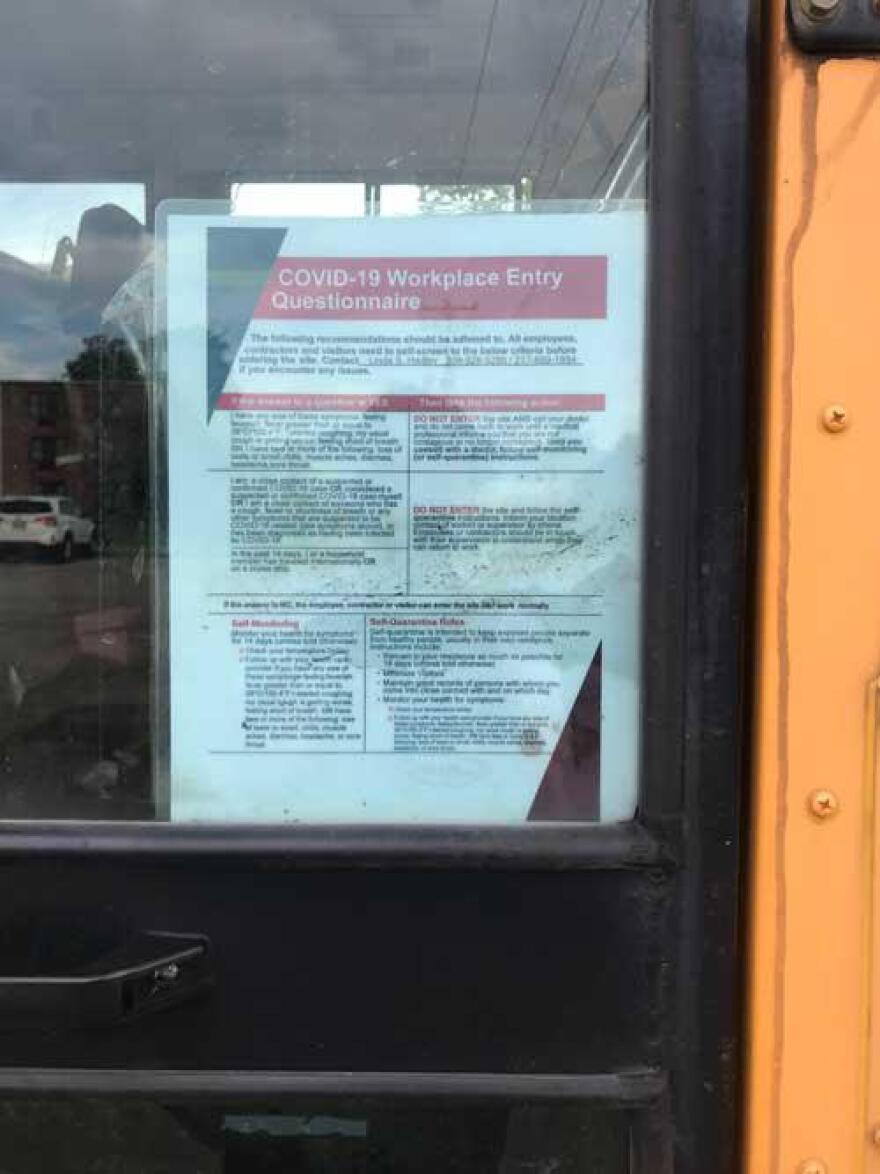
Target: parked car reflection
[{"x": 54, "y": 525}]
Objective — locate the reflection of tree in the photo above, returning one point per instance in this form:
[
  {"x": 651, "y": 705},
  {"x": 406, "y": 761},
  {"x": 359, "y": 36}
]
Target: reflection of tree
[
  {"x": 219, "y": 361},
  {"x": 218, "y": 346},
  {"x": 103, "y": 358},
  {"x": 483, "y": 197}
]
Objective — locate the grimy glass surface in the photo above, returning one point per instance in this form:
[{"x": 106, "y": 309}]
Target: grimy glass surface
[
  {"x": 83, "y": 1135},
  {"x": 422, "y": 114}
]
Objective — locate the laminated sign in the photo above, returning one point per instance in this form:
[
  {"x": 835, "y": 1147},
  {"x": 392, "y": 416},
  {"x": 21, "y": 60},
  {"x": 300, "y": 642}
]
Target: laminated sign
[{"x": 403, "y": 517}]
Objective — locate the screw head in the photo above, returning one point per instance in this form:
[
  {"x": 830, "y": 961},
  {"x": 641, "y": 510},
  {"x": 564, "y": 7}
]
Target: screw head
[
  {"x": 812, "y": 1166},
  {"x": 835, "y": 417},
  {"x": 819, "y": 9},
  {"x": 824, "y": 804}
]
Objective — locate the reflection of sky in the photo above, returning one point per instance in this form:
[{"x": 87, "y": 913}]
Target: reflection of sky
[
  {"x": 327, "y": 199},
  {"x": 35, "y": 216},
  {"x": 400, "y": 199},
  {"x": 298, "y": 199}
]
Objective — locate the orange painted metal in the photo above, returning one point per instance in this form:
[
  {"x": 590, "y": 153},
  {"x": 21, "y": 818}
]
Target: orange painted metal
[{"x": 813, "y": 1050}]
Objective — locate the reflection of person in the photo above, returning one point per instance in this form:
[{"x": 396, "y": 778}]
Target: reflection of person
[
  {"x": 110, "y": 244},
  {"x": 63, "y": 259},
  {"x": 75, "y": 640}
]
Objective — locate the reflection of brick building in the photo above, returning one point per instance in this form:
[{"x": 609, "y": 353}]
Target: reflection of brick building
[{"x": 81, "y": 439}]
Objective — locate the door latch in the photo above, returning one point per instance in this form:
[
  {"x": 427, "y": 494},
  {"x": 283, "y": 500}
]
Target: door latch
[{"x": 146, "y": 974}]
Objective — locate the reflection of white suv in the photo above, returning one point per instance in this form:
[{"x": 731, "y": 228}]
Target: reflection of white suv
[{"x": 52, "y": 523}]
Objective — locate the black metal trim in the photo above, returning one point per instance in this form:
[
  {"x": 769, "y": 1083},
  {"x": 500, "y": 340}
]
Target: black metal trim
[
  {"x": 551, "y": 846},
  {"x": 625, "y": 1089},
  {"x": 669, "y": 426},
  {"x": 705, "y": 350}
]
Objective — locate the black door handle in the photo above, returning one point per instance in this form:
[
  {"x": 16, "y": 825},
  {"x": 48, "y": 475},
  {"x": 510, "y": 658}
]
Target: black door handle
[{"x": 148, "y": 972}]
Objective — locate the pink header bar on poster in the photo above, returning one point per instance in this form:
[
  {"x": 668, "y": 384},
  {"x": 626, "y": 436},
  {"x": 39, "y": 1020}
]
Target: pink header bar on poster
[
  {"x": 425, "y": 288},
  {"x": 263, "y": 402}
]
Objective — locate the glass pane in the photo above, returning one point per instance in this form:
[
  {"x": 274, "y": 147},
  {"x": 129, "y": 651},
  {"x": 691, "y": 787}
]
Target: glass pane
[
  {"x": 39, "y": 221},
  {"x": 309, "y": 553},
  {"x": 93, "y": 1136}
]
